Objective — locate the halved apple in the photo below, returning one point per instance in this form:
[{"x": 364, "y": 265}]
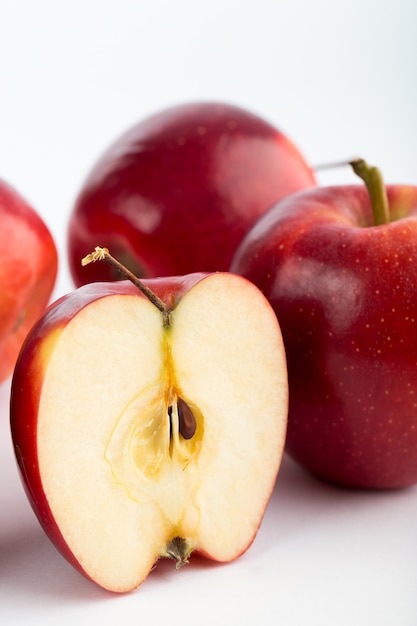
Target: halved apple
[{"x": 143, "y": 433}]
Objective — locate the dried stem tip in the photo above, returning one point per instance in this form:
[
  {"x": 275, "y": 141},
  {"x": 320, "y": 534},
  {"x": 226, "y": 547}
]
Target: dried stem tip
[{"x": 99, "y": 254}]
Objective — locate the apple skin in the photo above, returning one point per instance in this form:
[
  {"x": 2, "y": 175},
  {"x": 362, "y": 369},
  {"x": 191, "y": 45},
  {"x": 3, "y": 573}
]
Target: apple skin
[
  {"x": 28, "y": 375},
  {"x": 28, "y": 268},
  {"x": 177, "y": 192},
  {"x": 345, "y": 294}
]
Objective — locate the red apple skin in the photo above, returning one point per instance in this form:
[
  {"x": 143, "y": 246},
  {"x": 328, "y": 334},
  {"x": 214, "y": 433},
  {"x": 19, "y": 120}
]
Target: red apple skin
[
  {"x": 345, "y": 294},
  {"x": 178, "y": 191},
  {"x": 29, "y": 374},
  {"x": 28, "y": 268}
]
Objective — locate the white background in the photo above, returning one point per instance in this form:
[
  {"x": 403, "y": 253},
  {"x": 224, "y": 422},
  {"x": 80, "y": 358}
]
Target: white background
[{"x": 340, "y": 78}]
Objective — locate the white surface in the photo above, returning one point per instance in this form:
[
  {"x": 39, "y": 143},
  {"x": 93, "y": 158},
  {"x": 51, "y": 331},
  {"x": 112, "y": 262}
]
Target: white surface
[{"x": 339, "y": 78}]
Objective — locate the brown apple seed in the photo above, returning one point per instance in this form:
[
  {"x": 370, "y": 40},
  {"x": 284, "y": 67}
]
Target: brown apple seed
[{"x": 187, "y": 421}]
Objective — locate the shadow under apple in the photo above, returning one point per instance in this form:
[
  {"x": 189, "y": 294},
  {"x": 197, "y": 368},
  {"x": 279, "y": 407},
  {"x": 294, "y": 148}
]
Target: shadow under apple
[
  {"x": 301, "y": 502},
  {"x": 31, "y": 568}
]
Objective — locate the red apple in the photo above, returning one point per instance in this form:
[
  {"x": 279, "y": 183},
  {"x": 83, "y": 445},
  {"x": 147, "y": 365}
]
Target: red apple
[
  {"x": 151, "y": 429},
  {"x": 345, "y": 293},
  {"x": 178, "y": 191},
  {"x": 28, "y": 267}
]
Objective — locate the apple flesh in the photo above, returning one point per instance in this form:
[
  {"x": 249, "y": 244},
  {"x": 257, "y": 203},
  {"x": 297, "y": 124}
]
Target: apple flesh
[
  {"x": 28, "y": 267},
  {"x": 140, "y": 436},
  {"x": 345, "y": 294},
  {"x": 177, "y": 192}
]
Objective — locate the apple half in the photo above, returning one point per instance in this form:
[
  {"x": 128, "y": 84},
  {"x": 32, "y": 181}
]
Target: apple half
[{"x": 141, "y": 434}]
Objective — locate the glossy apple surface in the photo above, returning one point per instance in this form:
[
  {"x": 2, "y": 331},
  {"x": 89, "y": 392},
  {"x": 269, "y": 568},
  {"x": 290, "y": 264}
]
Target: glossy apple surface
[
  {"x": 138, "y": 439},
  {"x": 28, "y": 267},
  {"x": 177, "y": 192},
  {"x": 345, "y": 293}
]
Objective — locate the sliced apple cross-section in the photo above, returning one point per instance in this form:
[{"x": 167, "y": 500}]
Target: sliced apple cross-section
[{"x": 139, "y": 439}]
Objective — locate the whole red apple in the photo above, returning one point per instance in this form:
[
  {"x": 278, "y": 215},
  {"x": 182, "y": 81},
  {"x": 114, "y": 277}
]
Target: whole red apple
[
  {"x": 150, "y": 426},
  {"x": 344, "y": 288},
  {"x": 28, "y": 267},
  {"x": 177, "y": 192}
]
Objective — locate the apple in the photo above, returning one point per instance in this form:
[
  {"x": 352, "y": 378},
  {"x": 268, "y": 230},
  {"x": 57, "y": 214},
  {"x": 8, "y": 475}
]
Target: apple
[
  {"x": 338, "y": 265},
  {"x": 177, "y": 192},
  {"x": 28, "y": 267},
  {"x": 148, "y": 420}
]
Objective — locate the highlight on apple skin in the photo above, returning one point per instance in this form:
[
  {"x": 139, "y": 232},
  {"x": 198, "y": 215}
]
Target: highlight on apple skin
[
  {"x": 28, "y": 268},
  {"x": 140, "y": 435},
  {"x": 343, "y": 286},
  {"x": 177, "y": 192}
]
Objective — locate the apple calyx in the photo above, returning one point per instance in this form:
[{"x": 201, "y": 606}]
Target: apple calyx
[
  {"x": 178, "y": 550},
  {"x": 372, "y": 177},
  {"x": 103, "y": 254}
]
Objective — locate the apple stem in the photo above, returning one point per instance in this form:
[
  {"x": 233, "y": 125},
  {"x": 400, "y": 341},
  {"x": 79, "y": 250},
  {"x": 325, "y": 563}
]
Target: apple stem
[
  {"x": 372, "y": 177},
  {"x": 102, "y": 254}
]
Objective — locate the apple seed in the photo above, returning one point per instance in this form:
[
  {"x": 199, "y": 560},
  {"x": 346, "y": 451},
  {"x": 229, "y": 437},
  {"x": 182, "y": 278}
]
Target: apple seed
[
  {"x": 186, "y": 418},
  {"x": 187, "y": 423}
]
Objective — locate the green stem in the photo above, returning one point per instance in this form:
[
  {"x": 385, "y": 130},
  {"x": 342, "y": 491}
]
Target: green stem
[{"x": 374, "y": 182}]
